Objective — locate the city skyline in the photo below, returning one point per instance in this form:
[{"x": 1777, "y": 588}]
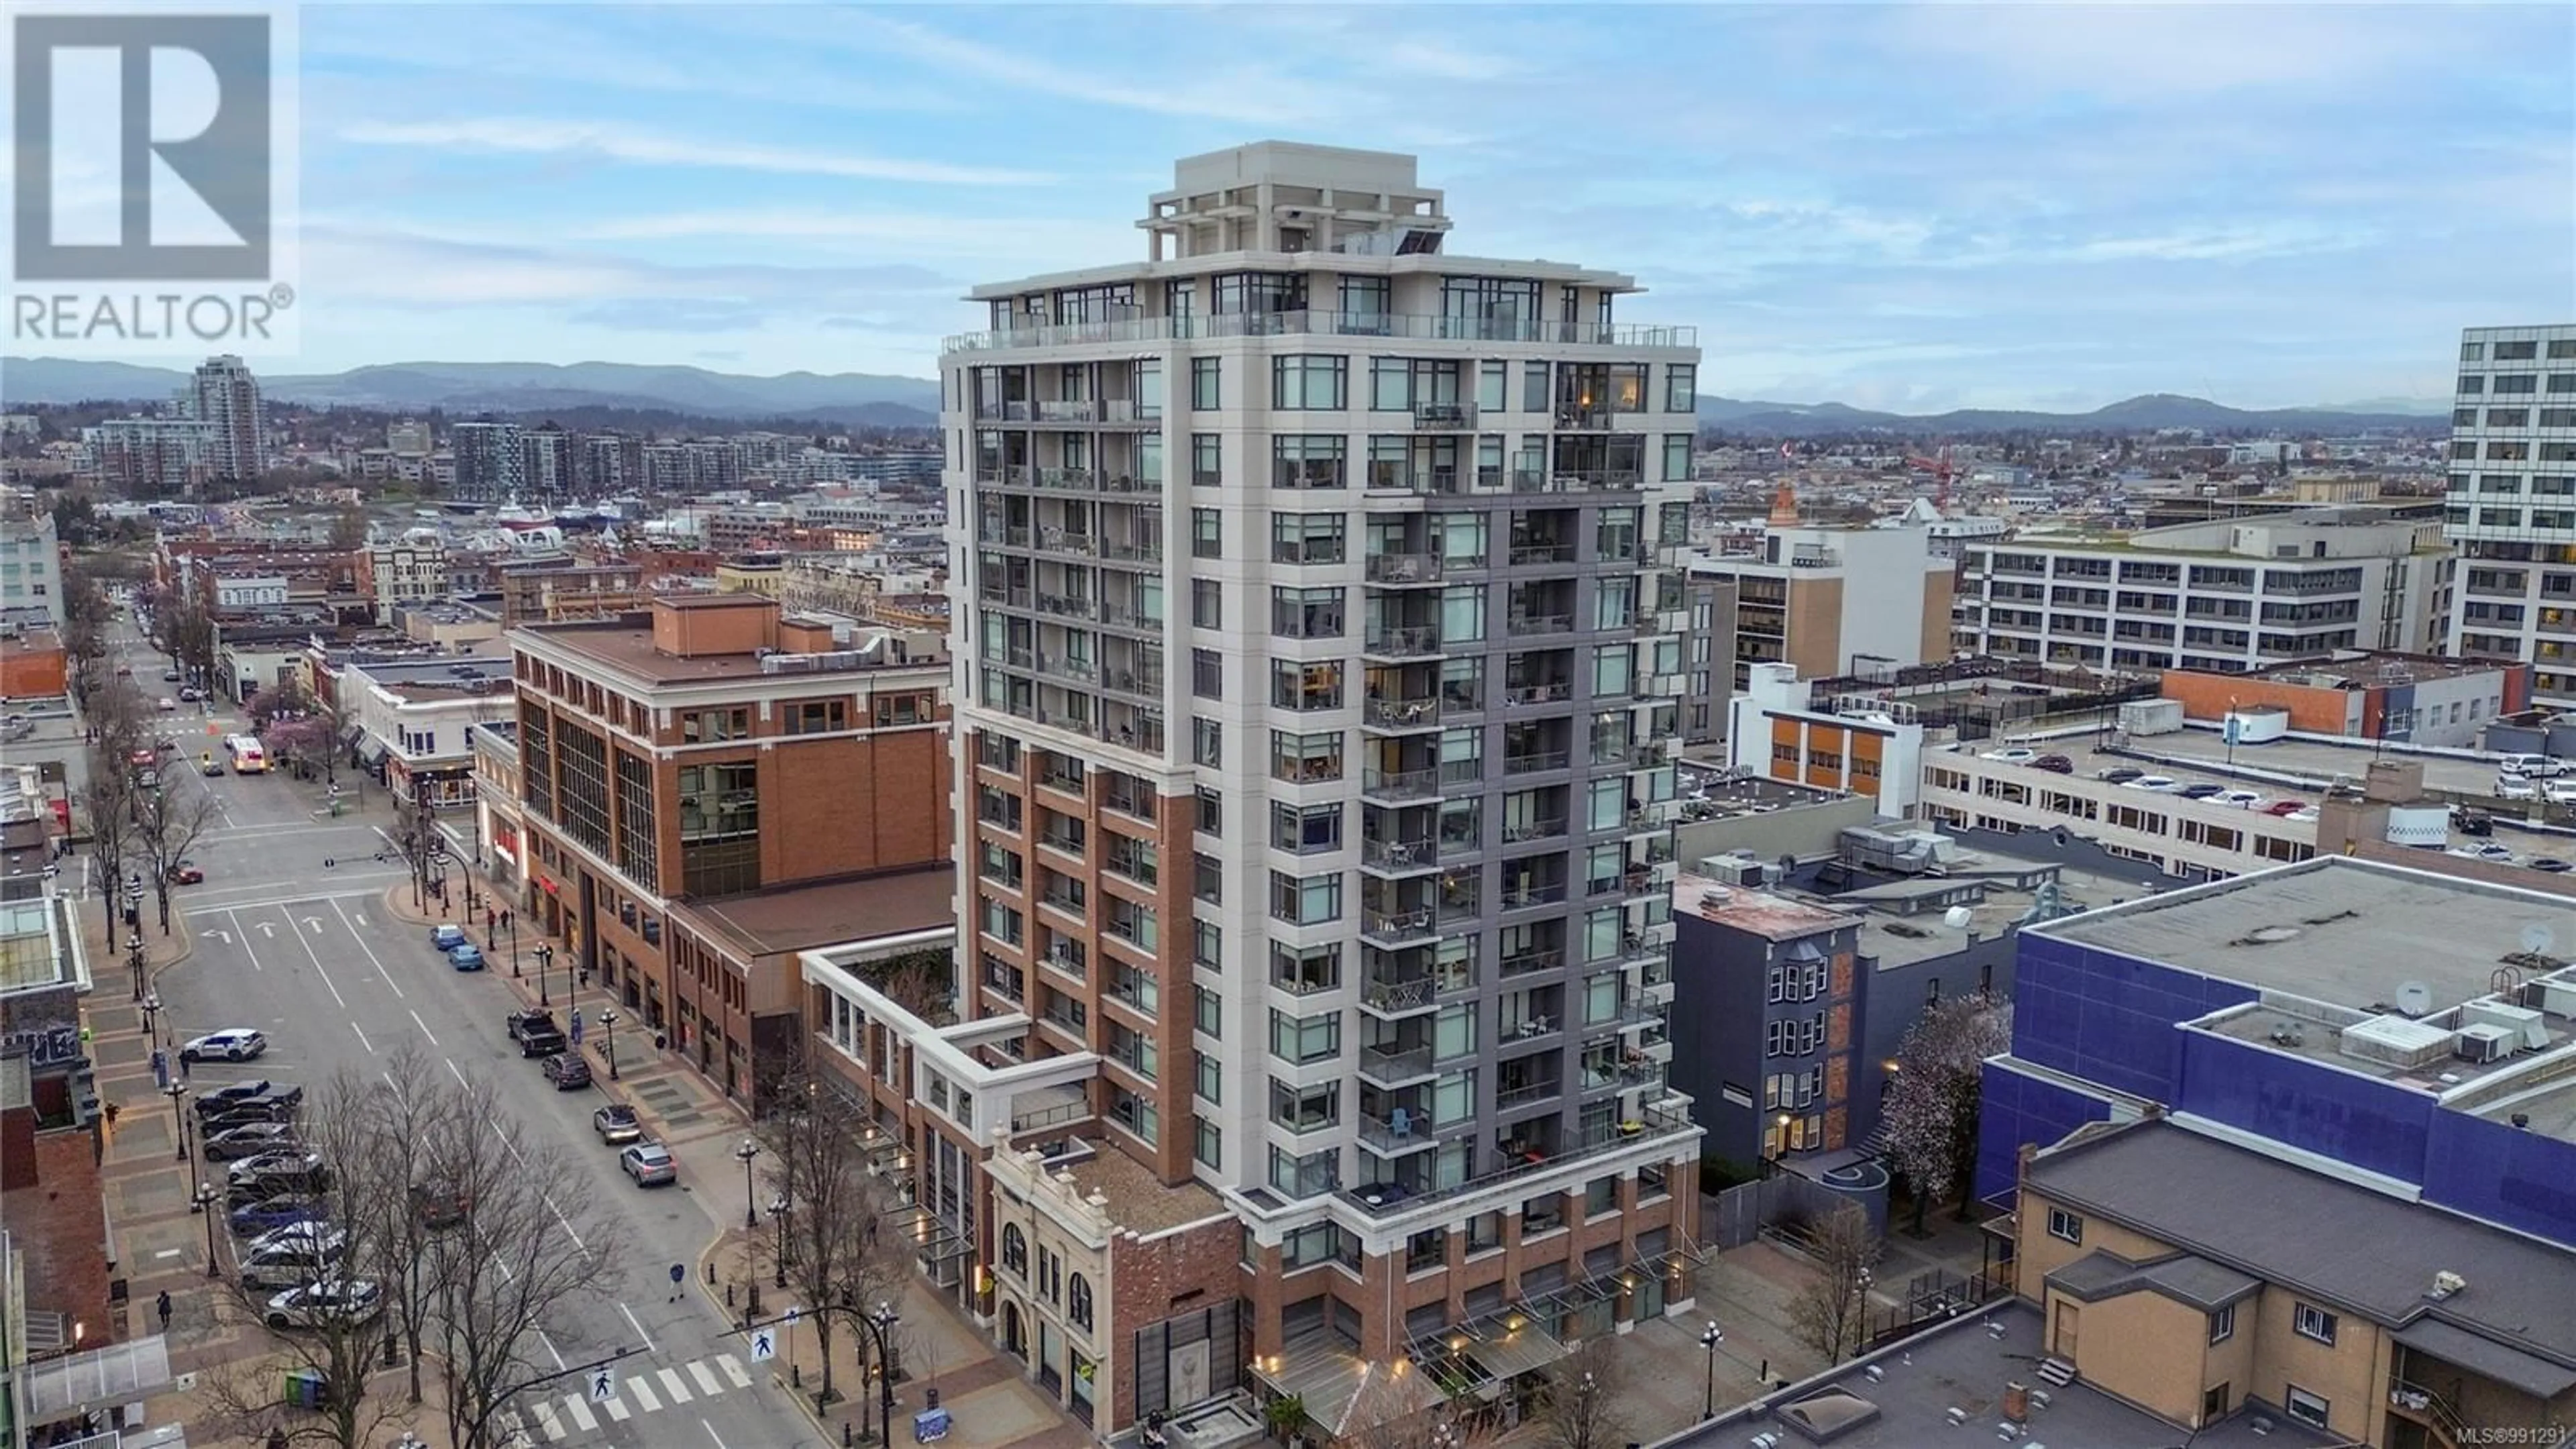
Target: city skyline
[{"x": 1911, "y": 208}]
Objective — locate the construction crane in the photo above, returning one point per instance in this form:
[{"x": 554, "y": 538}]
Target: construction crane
[{"x": 1939, "y": 467}]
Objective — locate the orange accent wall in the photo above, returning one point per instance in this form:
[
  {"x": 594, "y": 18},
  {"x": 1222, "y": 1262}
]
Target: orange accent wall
[{"x": 2207, "y": 696}]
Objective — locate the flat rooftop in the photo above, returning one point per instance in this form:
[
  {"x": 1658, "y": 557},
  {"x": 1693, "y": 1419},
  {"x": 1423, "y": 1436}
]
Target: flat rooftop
[
  {"x": 1964, "y": 1365},
  {"x": 2345, "y": 932},
  {"x": 828, "y": 913},
  {"x": 626, "y": 645},
  {"x": 2353, "y": 668},
  {"x": 1761, "y": 913},
  {"x": 2298, "y": 1030},
  {"x": 1138, "y": 1200}
]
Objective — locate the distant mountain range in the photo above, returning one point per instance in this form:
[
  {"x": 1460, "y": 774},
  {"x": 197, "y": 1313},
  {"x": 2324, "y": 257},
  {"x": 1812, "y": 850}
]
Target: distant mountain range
[
  {"x": 468, "y": 388},
  {"x": 874, "y": 400},
  {"x": 2145, "y": 413}
]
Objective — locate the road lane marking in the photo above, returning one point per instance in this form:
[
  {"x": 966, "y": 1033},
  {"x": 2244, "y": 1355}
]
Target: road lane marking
[
  {"x": 316, "y": 958},
  {"x": 618, "y": 1411},
  {"x": 546, "y": 1419},
  {"x": 459, "y": 1076},
  {"x": 581, "y": 1416},
  {"x": 362, "y": 1038},
  {"x": 642, "y": 1388},
  {"x": 637, "y": 1324},
  {"x": 424, "y": 1026},
  {"x": 705, "y": 1376},
  {"x": 733, "y": 1370},
  {"x": 245, "y": 941},
  {"x": 550, "y": 1348},
  {"x": 672, "y": 1385},
  {"x": 379, "y": 964},
  {"x": 711, "y": 1433}
]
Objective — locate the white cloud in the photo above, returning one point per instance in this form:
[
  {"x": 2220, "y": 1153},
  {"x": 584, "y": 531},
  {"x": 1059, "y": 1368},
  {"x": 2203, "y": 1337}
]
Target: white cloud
[
  {"x": 532, "y": 137},
  {"x": 1206, "y": 91}
]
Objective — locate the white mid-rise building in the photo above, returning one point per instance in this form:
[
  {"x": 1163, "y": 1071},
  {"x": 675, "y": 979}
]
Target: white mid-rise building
[
  {"x": 2511, "y": 509},
  {"x": 2226, "y": 595},
  {"x": 224, "y": 393},
  {"x": 1318, "y": 666}
]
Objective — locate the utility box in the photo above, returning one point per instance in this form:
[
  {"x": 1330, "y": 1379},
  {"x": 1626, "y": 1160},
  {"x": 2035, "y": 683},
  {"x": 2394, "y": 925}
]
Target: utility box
[{"x": 2151, "y": 717}]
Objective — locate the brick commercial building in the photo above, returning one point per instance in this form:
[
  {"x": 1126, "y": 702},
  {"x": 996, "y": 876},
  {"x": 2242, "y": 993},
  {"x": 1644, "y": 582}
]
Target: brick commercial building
[{"x": 691, "y": 775}]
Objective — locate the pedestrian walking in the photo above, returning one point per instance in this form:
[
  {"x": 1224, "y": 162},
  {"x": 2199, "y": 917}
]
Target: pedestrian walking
[
  {"x": 161, "y": 1305},
  {"x": 183, "y": 1066}
]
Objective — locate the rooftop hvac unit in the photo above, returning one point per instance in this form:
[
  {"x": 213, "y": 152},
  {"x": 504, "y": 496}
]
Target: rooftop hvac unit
[
  {"x": 2523, "y": 1025},
  {"x": 2484, "y": 1043},
  {"x": 2554, "y": 995},
  {"x": 1736, "y": 869},
  {"x": 2394, "y": 1041}
]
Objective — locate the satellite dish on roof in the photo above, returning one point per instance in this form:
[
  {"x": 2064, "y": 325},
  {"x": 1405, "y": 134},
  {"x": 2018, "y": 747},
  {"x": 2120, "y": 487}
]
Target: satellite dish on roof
[
  {"x": 2537, "y": 939},
  {"x": 2414, "y": 998}
]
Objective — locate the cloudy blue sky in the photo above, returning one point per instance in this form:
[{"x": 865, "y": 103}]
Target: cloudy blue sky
[{"x": 1915, "y": 207}]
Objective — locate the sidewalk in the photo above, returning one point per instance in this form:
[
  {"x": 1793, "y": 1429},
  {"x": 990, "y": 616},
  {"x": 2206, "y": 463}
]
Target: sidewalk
[{"x": 985, "y": 1391}]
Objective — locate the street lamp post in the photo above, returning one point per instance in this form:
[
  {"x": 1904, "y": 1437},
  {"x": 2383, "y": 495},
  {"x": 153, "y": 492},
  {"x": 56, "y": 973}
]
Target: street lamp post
[
  {"x": 151, "y": 1008},
  {"x": 778, "y": 1210},
  {"x": 178, "y": 1119},
  {"x": 744, "y": 1153},
  {"x": 545, "y": 959},
  {"x": 134, "y": 959},
  {"x": 204, "y": 1202},
  {"x": 1709, "y": 1338},
  {"x": 608, "y": 1025},
  {"x": 514, "y": 948}
]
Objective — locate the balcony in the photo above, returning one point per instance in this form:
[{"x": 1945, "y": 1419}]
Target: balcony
[
  {"x": 1395, "y": 1066},
  {"x": 1063, "y": 900},
  {"x": 1143, "y": 683},
  {"x": 1319, "y": 322},
  {"x": 1148, "y": 553},
  {"x": 1058, "y": 540},
  {"x": 1122, "y": 412},
  {"x": 1399, "y": 857},
  {"x": 1328, "y": 473},
  {"x": 1650, "y": 1123},
  {"x": 1524, "y": 554},
  {"x": 1525, "y": 897},
  {"x": 1397, "y": 1133},
  {"x": 1526, "y": 624},
  {"x": 1395, "y": 930},
  {"x": 1536, "y": 762},
  {"x": 1525, "y": 831},
  {"x": 1402, "y": 641},
  {"x": 1576, "y": 480},
  {"x": 1444, "y": 417},
  {"x": 1067, "y": 480},
  {"x": 1404, "y": 568},
  {"x": 1128, "y": 616},
  {"x": 1066, "y": 961},
  {"x": 1068, "y": 668},
  {"x": 1530, "y": 1094},
  {"x": 1400, "y": 786},
  {"x": 1137, "y": 803},
  {"x": 1420, "y": 713},
  {"x": 1527, "y": 963},
  {"x": 1135, "y": 863},
  {"x": 1555, "y": 692},
  {"x": 1400, "y": 996},
  {"x": 1068, "y": 606}
]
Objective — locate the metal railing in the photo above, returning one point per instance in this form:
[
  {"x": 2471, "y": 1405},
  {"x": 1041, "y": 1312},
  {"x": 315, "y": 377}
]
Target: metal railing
[
  {"x": 1528, "y": 830},
  {"x": 1508, "y": 1098},
  {"x": 1409, "y": 993},
  {"x": 1541, "y": 623},
  {"x": 1386, "y": 1135},
  {"x": 1404, "y": 568},
  {"x": 1555, "y": 692},
  {"x": 1401, "y": 713},
  {"x": 1399, "y": 926},
  {"x": 1542, "y": 553},
  {"x": 1390, "y": 1065},
  {"x": 1397, "y": 854},
  {"x": 1315, "y": 473},
  {"x": 1528, "y": 962},
  {"x": 1519, "y": 898},
  {"x": 1403, "y": 639},
  {"x": 1400, "y": 784},
  {"x": 1444, "y": 417},
  {"x": 1313, "y": 322},
  {"x": 1535, "y": 762}
]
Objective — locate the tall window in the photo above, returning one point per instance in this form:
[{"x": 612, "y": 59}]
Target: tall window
[
  {"x": 1207, "y": 460},
  {"x": 1681, "y": 388},
  {"x": 536, "y": 762},
  {"x": 638, "y": 836},
  {"x": 720, "y": 828},
  {"x": 585, "y": 789},
  {"x": 1311, "y": 382},
  {"x": 1206, "y": 382}
]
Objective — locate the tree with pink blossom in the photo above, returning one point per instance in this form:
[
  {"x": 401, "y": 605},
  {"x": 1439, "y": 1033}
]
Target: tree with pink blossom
[{"x": 1930, "y": 1119}]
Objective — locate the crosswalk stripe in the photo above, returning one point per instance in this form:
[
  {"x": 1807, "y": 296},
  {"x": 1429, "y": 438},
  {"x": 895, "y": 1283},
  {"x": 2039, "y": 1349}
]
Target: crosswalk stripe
[
  {"x": 733, "y": 1370},
  {"x": 679, "y": 1391},
  {"x": 545, "y": 1413},
  {"x": 642, "y": 1388},
  {"x": 581, "y": 1415},
  {"x": 618, "y": 1411},
  {"x": 705, "y": 1376}
]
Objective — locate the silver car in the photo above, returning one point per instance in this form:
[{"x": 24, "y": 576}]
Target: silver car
[{"x": 649, "y": 1163}]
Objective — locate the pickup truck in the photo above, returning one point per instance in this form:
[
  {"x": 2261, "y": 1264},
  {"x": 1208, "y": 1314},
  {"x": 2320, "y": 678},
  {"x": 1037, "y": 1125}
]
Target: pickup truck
[{"x": 536, "y": 1033}]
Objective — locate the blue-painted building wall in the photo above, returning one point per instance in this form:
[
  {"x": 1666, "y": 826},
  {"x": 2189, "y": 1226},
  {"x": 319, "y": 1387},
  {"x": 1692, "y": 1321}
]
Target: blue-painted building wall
[
  {"x": 2017, "y": 1107},
  {"x": 2109, "y": 1018},
  {"x": 2499, "y": 1172},
  {"x": 2343, "y": 1115}
]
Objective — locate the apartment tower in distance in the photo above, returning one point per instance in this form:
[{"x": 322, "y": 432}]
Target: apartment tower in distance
[
  {"x": 2512, "y": 504},
  {"x": 1317, "y": 667},
  {"x": 223, "y": 392}
]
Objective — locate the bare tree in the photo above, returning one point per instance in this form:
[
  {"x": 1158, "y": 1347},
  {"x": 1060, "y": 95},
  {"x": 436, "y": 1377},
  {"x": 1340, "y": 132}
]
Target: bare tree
[
  {"x": 338, "y": 1340},
  {"x": 166, "y": 828},
  {"x": 832, "y": 1253},
  {"x": 413, "y": 1101},
  {"x": 513, "y": 1262},
  {"x": 111, "y": 791},
  {"x": 1831, "y": 1313},
  {"x": 1931, "y": 1111},
  {"x": 1401, "y": 1406},
  {"x": 1580, "y": 1407}
]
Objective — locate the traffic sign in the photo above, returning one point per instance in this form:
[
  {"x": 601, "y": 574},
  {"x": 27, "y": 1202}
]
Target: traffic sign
[
  {"x": 763, "y": 1347},
  {"x": 679, "y": 1273},
  {"x": 603, "y": 1385},
  {"x": 789, "y": 1317}
]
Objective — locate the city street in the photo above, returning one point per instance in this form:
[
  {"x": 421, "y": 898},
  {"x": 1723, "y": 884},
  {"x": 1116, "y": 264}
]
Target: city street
[{"x": 295, "y": 933}]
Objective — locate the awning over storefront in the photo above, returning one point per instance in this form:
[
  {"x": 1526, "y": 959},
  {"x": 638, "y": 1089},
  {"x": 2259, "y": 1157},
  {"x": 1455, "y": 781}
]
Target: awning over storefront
[
  {"x": 118, "y": 1374},
  {"x": 1337, "y": 1386},
  {"x": 1478, "y": 1359}
]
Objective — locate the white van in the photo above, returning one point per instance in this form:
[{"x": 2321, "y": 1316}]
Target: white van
[{"x": 2531, "y": 767}]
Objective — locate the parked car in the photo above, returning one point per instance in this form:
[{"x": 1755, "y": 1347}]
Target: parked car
[
  {"x": 567, "y": 1071},
  {"x": 2241, "y": 799},
  {"x": 168, "y": 676},
  {"x": 317, "y": 1304},
  {"x": 2011, "y": 755},
  {"x": 2516, "y": 787},
  {"x": 276, "y": 1107},
  {"x": 286, "y": 1164},
  {"x": 439, "y": 1206},
  {"x": 2161, "y": 784},
  {"x": 187, "y": 872},
  {"x": 2536, "y": 767},
  {"x": 215, "y": 1099},
  {"x": 2054, "y": 764},
  {"x": 649, "y": 1163},
  {"x": 165, "y": 704},
  {"x": 2550, "y": 863},
  {"x": 446, "y": 938},
  {"x": 232, "y": 1044},
  {"x": 2285, "y": 807},
  {"x": 293, "y": 1261},
  {"x": 251, "y": 1139},
  {"x": 2199, "y": 790},
  {"x": 2121, "y": 775},
  {"x": 2472, "y": 822},
  {"x": 2559, "y": 792},
  {"x": 536, "y": 1033},
  {"x": 208, "y": 765},
  {"x": 191, "y": 694},
  {"x": 616, "y": 1124},
  {"x": 465, "y": 958},
  {"x": 268, "y": 1214}
]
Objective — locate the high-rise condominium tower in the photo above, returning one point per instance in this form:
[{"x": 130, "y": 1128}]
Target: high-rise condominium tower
[
  {"x": 225, "y": 394},
  {"x": 2512, "y": 505},
  {"x": 1317, "y": 601}
]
